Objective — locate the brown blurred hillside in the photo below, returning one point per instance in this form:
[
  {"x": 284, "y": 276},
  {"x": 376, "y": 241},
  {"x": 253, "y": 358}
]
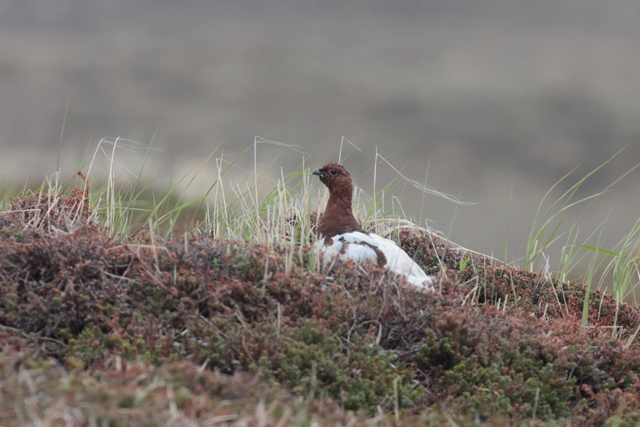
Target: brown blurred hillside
[{"x": 495, "y": 94}]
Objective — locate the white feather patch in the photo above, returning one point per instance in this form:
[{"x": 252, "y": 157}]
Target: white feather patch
[{"x": 358, "y": 247}]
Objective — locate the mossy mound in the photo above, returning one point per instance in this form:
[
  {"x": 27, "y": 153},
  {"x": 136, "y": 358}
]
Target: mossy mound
[{"x": 354, "y": 336}]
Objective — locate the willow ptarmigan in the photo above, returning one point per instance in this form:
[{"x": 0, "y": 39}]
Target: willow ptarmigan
[{"x": 341, "y": 234}]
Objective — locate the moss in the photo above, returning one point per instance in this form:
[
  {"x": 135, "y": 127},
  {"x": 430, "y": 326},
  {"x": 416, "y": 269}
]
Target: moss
[
  {"x": 486, "y": 373},
  {"x": 315, "y": 363},
  {"x": 343, "y": 336},
  {"x": 126, "y": 401}
]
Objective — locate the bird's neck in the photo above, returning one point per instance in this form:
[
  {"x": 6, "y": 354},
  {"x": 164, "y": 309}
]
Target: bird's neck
[{"x": 338, "y": 217}]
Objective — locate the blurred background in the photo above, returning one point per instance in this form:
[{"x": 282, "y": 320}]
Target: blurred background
[{"x": 499, "y": 99}]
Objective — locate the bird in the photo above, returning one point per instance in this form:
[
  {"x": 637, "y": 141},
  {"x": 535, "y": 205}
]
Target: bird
[{"x": 341, "y": 235}]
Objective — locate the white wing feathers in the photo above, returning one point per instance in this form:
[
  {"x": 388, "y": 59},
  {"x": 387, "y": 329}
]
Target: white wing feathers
[
  {"x": 360, "y": 247},
  {"x": 401, "y": 263},
  {"x": 359, "y": 238}
]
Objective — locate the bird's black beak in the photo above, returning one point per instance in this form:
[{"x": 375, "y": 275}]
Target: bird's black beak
[{"x": 319, "y": 172}]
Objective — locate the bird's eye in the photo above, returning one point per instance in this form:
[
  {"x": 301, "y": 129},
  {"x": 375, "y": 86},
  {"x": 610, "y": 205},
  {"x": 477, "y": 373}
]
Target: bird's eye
[{"x": 333, "y": 172}]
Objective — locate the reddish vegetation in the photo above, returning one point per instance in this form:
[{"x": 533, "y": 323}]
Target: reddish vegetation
[
  {"x": 70, "y": 292},
  {"x": 45, "y": 210}
]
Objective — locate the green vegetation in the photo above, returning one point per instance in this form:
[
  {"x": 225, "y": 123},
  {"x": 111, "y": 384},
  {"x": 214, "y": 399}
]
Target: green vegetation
[{"x": 115, "y": 309}]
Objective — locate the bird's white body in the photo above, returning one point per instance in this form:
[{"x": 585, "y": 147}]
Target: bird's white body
[{"x": 361, "y": 247}]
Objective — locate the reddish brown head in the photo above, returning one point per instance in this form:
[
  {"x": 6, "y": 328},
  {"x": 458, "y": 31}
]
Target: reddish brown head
[
  {"x": 335, "y": 177},
  {"x": 338, "y": 217}
]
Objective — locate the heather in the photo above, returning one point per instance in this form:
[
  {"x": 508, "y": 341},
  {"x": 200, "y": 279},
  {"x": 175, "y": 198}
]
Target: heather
[{"x": 99, "y": 327}]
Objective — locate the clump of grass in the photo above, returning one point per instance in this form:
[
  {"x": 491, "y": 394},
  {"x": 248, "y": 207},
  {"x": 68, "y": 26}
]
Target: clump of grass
[{"x": 547, "y": 229}]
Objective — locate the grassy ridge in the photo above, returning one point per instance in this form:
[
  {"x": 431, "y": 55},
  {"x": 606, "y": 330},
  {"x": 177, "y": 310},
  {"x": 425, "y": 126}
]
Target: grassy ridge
[
  {"x": 116, "y": 310},
  {"x": 123, "y": 326}
]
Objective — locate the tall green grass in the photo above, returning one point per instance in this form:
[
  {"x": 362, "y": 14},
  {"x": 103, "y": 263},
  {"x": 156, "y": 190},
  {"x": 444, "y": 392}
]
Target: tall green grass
[{"x": 620, "y": 263}]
